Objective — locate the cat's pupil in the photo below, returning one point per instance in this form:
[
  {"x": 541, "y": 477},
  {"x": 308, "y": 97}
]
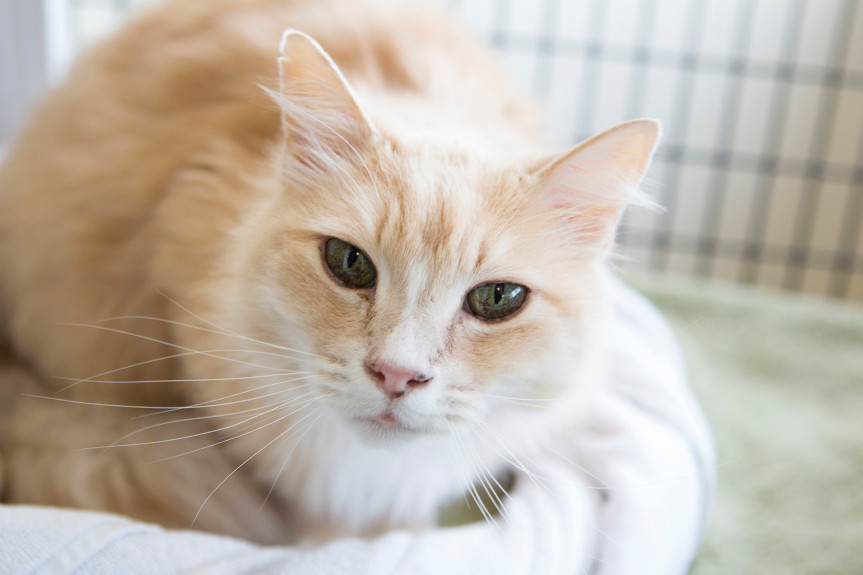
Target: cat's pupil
[
  {"x": 351, "y": 258},
  {"x": 498, "y": 293}
]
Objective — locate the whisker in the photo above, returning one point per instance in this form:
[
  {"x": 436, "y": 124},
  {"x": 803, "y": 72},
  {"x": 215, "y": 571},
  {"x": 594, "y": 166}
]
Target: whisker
[
  {"x": 174, "y": 439},
  {"x": 267, "y": 410},
  {"x": 452, "y": 456},
  {"x": 526, "y": 399},
  {"x": 245, "y": 433},
  {"x": 214, "y": 402},
  {"x": 199, "y": 328},
  {"x": 603, "y": 485},
  {"x": 199, "y": 418},
  {"x": 487, "y": 516},
  {"x": 492, "y": 493},
  {"x": 147, "y": 362},
  {"x": 246, "y": 461},
  {"x": 169, "y": 344},
  {"x": 521, "y": 402},
  {"x": 288, "y": 457},
  {"x": 512, "y": 459},
  {"x": 223, "y": 331},
  {"x": 120, "y": 405},
  {"x": 237, "y": 378},
  {"x": 159, "y": 410}
]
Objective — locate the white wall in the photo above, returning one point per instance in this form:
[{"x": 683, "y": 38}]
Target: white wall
[{"x": 22, "y": 61}]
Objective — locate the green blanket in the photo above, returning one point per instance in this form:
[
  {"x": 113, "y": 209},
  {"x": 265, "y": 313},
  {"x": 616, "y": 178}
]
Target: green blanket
[{"x": 781, "y": 380}]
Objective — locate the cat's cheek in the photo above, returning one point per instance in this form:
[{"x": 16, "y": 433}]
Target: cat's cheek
[
  {"x": 301, "y": 289},
  {"x": 489, "y": 350}
]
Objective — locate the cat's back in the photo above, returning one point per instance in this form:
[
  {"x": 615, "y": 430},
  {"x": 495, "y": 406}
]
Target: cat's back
[
  {"x": 185, "y": 61},
  {"x": 188, "y": 72}
]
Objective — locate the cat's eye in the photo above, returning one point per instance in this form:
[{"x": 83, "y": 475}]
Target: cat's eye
[
  {"x": 348, "y": 264},
  {"x": 496, "y": 300}
]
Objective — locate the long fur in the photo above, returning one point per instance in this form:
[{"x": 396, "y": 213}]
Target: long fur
[{"x": 161, "y": 227}]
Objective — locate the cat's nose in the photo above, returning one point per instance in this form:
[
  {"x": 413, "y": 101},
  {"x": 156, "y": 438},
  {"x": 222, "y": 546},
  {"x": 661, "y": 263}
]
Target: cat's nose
[{"x": 395, "y": 380}]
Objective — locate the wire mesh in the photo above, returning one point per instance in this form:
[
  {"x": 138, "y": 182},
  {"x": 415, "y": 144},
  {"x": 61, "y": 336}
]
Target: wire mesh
[{"x": 761, "y": 167}]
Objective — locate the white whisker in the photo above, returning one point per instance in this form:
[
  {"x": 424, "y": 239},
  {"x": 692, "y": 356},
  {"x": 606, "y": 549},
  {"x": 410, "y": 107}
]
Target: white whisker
[
  {"x": 246, "y": 461},
  {"x": 489, "y": 489},
  {"x": 169, "y": 344},
  {"x": 215, "y": 402},
  {"x": 199, "y": 418},
  {"x": 93, "y": 404},
  {"x": 267, "y": 409},
  {"x": 459, "y": 444},
  {"x": 220, "y": 330},
  {"x": 245, "y": 433},
  {"x": 288, "y": 457},
  {"x": 511, "y": 458},
  {"x": 237, "y": 378}
]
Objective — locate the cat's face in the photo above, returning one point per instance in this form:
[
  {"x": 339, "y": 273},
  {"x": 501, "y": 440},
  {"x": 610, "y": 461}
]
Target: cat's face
[
  {"x": 427, "y": 283},
  {"x": 377, "y": 274}
]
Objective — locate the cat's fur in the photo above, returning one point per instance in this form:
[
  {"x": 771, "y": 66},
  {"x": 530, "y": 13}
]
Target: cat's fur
[{"x": 163, "y": 185}]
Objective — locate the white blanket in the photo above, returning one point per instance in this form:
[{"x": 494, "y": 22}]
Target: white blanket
[{"x": 635, "y": 502}]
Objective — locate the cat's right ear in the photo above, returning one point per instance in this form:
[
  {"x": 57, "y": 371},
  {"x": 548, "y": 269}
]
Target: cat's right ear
[{"x": 322, "y": 117}]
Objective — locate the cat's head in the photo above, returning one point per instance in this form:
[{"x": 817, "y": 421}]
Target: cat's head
[{"x": 429, "y": 276}]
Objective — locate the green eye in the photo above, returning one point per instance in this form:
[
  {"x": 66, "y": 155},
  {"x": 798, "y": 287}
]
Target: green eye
[
  {"x": 496, "y": 300},
  {"x": 351, "y": 266}
]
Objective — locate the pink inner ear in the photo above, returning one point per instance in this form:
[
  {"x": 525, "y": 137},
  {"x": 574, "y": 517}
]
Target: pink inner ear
[
  {"x": 588, "y": 223},
  {"x": 320, "y": 111},
  {"x": 591, "y": 185}
]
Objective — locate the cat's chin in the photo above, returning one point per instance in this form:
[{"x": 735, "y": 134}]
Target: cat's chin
[{"x": 386, "y": 430}]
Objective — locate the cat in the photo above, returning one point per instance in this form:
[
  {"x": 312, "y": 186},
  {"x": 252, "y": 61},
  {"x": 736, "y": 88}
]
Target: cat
[{"x": 345, "y": 275}]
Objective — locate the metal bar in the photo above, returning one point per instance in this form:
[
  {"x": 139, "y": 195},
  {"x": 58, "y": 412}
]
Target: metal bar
[
  {"x": 765, "y": 183},
  {"x": 500, "y": 33},
  {"x": 758, "y": 164},
  {"x": 641, "y": 58},
  {"x": 805, "y": 74},
  {"x": 593, "y": 54},
  {"x": 637, "y": 76},
  {"x": 714, "y": 207},
  {"x": 849, "y": 233},
  {"x": 775, "y": 254},
  {"x": 547, "y": 49},
  {"x": 677, "y": 133},
  {"x": 824, "y": 124}
]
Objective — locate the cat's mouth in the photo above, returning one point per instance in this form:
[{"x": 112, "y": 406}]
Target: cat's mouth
[
  {"x": 387, "y": 419},
  {"x": 387, "y": 422}
]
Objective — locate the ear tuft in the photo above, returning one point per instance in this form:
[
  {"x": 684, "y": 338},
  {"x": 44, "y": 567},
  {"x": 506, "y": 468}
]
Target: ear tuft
[
  {"x": 320, "y": 112},
  {"x": 590, "y": 185}
]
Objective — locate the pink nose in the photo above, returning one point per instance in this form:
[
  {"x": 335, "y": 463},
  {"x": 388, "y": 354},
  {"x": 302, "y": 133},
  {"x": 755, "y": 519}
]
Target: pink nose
[{"x": 395, "y": 380}]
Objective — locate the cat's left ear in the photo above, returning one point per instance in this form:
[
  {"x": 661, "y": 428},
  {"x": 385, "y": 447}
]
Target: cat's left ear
[
  {"x": 320, "y": 112},
  {"x": 590, "y": 185}
]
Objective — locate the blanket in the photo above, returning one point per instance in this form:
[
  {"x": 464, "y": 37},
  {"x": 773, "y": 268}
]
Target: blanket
[{"x": 780, "y": 378}]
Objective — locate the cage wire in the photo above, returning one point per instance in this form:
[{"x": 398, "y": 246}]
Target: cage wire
[{"x": 760, "y": 170}]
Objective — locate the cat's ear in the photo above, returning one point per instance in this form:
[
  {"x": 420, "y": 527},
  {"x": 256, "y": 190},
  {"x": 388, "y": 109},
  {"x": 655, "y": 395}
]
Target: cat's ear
[
  {"x": 320, "y": 112},
  {"x": 590, "y": 185}
]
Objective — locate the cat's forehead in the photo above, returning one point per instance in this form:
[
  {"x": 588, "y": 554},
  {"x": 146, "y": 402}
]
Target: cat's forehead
[{"x": 443, "y": 209}]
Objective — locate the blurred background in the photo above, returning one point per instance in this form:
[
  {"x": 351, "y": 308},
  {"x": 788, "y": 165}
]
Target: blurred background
[{"x": 761, "y": 167}]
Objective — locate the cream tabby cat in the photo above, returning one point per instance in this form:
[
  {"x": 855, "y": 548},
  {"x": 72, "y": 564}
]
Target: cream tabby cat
[{"x": 351, "y": 268}]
